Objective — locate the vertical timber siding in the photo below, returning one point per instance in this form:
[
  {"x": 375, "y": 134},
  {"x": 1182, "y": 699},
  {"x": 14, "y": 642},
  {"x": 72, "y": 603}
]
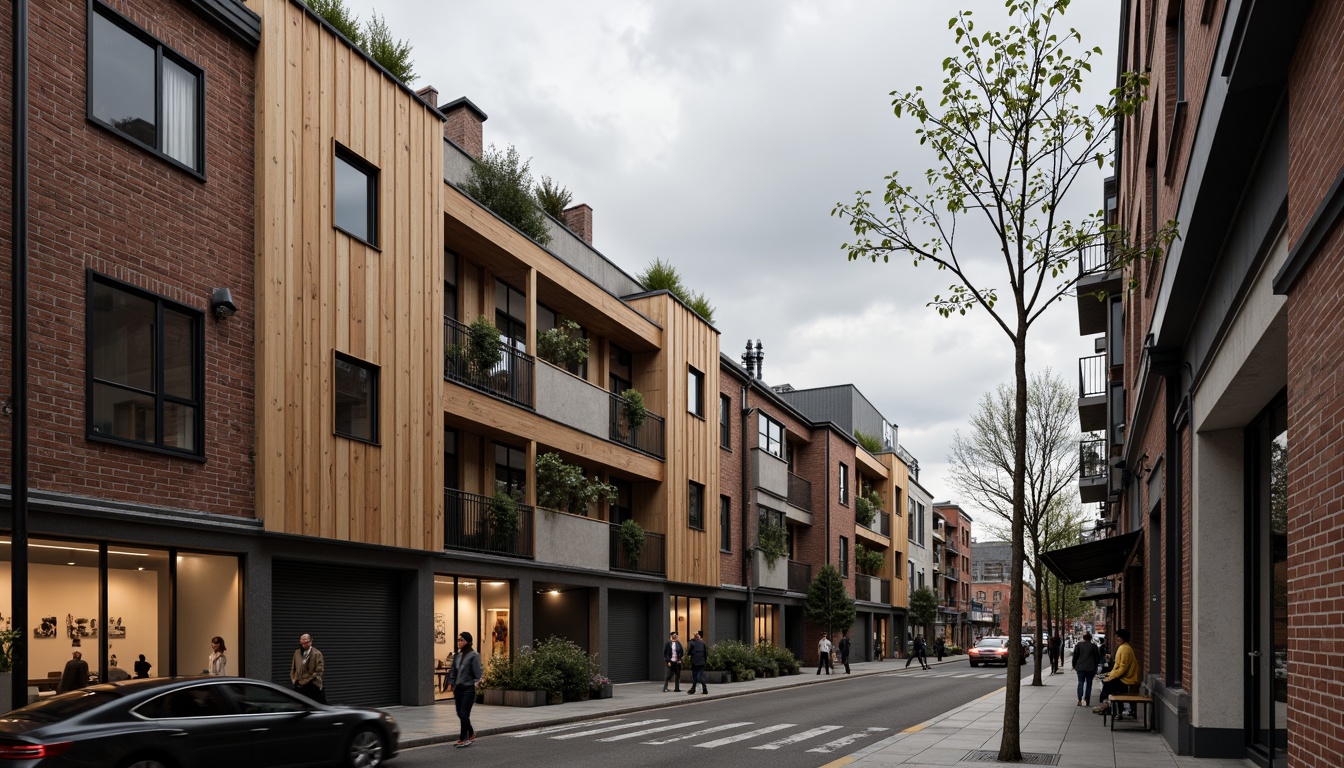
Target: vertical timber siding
[{"x": 320, "y": 291}]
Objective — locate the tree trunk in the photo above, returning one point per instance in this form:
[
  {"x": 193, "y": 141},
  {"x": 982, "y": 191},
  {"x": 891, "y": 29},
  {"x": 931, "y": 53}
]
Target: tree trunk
[
  {"x": 1010, "y": 749},
  {"x": 1041, "y": 589}
]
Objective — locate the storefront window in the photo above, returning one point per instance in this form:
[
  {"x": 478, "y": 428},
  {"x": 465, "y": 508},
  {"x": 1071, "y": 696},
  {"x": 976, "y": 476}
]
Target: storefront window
[
  {"x": 766, "y": 621},
  {"x": 139, "y": 592},
  {"x": 208, "y": 597},
  {"x": 687, "y": 616},
  {"x": 468, "y": 604}
]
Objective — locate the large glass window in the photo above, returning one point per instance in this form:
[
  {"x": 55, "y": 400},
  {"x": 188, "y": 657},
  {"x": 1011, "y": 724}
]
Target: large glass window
[
  {"x": 144, "y": 91},
  {"x": 695, "y": 392},
  {"x": 511, "y": 315},
  {"x": 771, "y": 435},
  {"x": 145, "y": 368},
  {"x": 623, "y": 508},
  {"x": 355, "y": 188},
  {"x": 356, "y": 386},
  {"x": 844, "y": 557},
  {"x": 725, "y": 524},
  {"x": 725, "y": 422},
  {"x": 469, "y": 604},
  {"x": 450, "y": 285},
  {"x": 844, "y": 484},
  {"x": 209, "y": 589},
  {"x": 511, "y": 470},
  {"x": 620, "y": 369},
  {"x": 687, "y": 617}
]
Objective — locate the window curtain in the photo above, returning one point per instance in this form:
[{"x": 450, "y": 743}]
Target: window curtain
[{"x": 179, "y": 113}]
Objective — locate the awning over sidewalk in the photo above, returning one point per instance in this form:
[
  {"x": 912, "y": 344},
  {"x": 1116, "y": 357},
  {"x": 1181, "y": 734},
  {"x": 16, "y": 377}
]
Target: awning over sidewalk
[{"x": 1093, "y": 560}]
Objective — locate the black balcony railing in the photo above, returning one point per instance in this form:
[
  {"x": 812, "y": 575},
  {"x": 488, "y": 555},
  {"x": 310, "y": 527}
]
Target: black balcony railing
[
  {"x": 950, "y": 547},
  {"x": 1092, "y": 375},
  {"x": 800, "y": 492},
  {"x": 646, "y": 438},
  {"x": 510, "y": 378},
  {"x": 952, "y": 574},
  {"x": 1092, "y": 459},
  {"x": 469, "y": 523},
  {"x": 1094, "y": 258},
  {"x": 872, "y": 589},
  {"x": 652, "y": 558},
  {"x": 800, "y": 576}
]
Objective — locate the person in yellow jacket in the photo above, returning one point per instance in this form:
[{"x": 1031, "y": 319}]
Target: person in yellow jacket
[{"x": 1124, "y": 672}]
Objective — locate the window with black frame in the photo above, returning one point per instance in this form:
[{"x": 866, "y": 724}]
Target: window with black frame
[
  {"x": 725, "y": 423},
  {"x": 695, "y": 392},
  {"x": 725, "y": 524},
  {"x": 695, "y": 506},
  {"x": 771, "y": 435},
  {"x": 355, "y": 193},
  {"x": 144, "y": 91},
  {"x": 145, "y": 374},
  {"x": 356, "y": 398}
]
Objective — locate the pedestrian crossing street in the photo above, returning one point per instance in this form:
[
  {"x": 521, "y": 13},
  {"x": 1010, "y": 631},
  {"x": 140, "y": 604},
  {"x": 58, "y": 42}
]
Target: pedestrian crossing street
[{"x": 664, "y": 731}]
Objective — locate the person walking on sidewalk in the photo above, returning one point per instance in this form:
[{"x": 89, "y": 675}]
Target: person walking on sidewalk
[
  {"x": 465, "y": 678},
  {"x": 699, "y": 656},
  {"x": 1124, "y": 672},
  {"x": 939, "y": 647},
  {"x": 824, "y": 653},
  {"x": 307, "y": 670},
  {"x": 1086, "y": 660},
  {"x": 673, "y": 653},
  {"x": 1056, "y": 653},
  {"x": 843, "y": 648}
]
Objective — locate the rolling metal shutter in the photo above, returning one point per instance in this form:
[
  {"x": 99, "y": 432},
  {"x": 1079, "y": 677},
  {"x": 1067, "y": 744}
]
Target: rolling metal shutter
[
  {"x": 353, "y": 615},
  {"x": 628, "y": 639},
  {"x": 727, "y": 620}
]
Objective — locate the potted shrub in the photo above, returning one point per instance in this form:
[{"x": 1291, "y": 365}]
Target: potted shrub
[
  {"x": 600, "y": 686},
  {"x": 483, "y": 351},
  {"x": 632, "y": 541},
  {"x": 563, "y": 346},
  {"x": 866, "y": 506},
  {"x": 565, "y": 667},
  {"x": 514, "y": 680},
  {"x": 774, "y": 541},
  {"x": 7, "y": 638},
  {"x": 502, "y": 519},
  {"x": 633, "y": 409},
  {"x": 563, "y": 486},
  {"x": 868, "y": 561}
]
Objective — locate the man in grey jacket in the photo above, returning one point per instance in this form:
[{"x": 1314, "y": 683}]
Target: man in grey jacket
[
  {"x": 1086, "y": 659},
  {"x": 465, "y": 677}
]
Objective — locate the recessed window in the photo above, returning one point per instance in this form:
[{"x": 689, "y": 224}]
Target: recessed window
[
  {"x": 844, "y": 484},
  {"x": 771, "y": 435},
  {"x": 144, "y": 91},
  {"x": 356, "y": 193},
  {"x": 725, "y": 524},
  {"x": 725, "y": 422},
  {"x": 695, "y": 506},
  {"x": 844, "y": 556},
  {"x": 695, "y": 392},
  {"x": 356, "y": 385},
  {"x": 145, "y": 380}
]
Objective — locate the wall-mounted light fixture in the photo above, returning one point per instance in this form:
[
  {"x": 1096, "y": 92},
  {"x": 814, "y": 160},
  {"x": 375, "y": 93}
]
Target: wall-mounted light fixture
[{"x": 221, "y": 303}]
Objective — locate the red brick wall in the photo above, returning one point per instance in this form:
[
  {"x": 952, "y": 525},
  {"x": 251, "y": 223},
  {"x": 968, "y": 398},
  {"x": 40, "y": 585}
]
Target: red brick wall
[
  {"x": 98, "y": 202},
  {"x": 1315, "y": 405}
]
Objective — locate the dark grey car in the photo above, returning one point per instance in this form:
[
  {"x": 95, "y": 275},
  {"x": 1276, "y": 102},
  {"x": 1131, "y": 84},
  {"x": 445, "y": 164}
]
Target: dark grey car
[{"x": 189, "y": 722}]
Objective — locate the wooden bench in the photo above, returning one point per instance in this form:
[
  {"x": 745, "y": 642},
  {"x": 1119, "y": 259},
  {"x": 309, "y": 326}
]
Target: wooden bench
[{"x": 1118, "y": 700}]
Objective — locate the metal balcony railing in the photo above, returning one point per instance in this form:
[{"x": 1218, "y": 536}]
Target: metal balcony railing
[
  {"x": 652, "y": 558},
  {"x": 469, "y": 523},
  {"x": 881, "y": 523},
  {"x": 1094, "y": 258},
  {"x": 800, "y": 576},
  {"x": 1092, "y": 458},
  {"x": 951, "y": 573},
  {"x": 800, "y": 492},
  {"x": 646, "y": 438},
  {"x": 1092, "y": 375},
  {"x": 950, "y": 547},
  {"x": 872, "y": 589},
  {"x": 511, "y": 378}
]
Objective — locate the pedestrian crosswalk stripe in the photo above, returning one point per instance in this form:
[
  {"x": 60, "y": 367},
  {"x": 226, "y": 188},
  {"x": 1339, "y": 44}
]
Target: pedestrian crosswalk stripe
[
  {"x": 647, "y": 731},
  {"x": 985, "y": 677},
  {"x": 607, "y": 728},
  {"x": 797, "y": 737},
  {"x": 970, "y": 674},
  {"x": 559, "y": 728},
  {"x": 845, "y": 741},
  {"x": 745, "y": 736},
  {"x": 696, "y": 734}
]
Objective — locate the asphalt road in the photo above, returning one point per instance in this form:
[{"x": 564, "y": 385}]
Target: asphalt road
[{"x": 802, "y": 727}]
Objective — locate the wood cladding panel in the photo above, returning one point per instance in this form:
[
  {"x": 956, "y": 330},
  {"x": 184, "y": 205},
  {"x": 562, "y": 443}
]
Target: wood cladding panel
[
  {"x": 692, "y": 441},
  {"x": 320, "y": 291}
]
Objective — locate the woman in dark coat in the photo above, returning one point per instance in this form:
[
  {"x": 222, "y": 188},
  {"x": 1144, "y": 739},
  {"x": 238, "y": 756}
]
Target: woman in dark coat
[
  {"x": 1086, "y": 660},
  {"x": 465, "y": 677}
]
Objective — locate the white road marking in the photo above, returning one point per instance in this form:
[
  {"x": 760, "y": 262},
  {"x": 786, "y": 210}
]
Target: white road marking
[
  {"x": 610, "y": 728},
  {"x": 845, "y": 741},
  {"x": 559, "y": 728},
  {"x": 969, "y": 674},
  {"x": 745, "y": 736},
  {"x": 647, "y": 731},
  {"x": 797, "y": 737},
  {"x": 706, "y": 731}
]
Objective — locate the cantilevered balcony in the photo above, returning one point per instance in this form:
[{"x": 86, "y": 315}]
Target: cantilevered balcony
[
  {"x": 652, "y": 558},
  {"x": 872, "y": 589},
  {"x": 474, "y": 523},
  {"x": 646, "y": 438},
  {"x": 800, "y": 492},
  {"x": 881, "y": 523},
  {"x": 1092, "y": 470},
  {"x": 800, "y": 576},
  {"x": 508, "y": 376},
  {"x": 1092, "y": 392},
  {"x": 1098, "y": 277}
]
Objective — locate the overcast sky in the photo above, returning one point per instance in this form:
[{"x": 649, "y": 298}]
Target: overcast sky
[{"x": 719, "y": 135}]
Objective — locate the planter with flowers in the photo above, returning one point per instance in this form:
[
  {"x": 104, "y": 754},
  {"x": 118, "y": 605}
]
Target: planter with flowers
[{"x": 599, "y": 686}]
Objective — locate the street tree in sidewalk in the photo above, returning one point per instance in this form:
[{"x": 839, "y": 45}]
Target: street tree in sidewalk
[
  {"x": 1009, "y": 140},
  {"x": 827, "y": 605},
  {"x": 981, "y": 471},
  {"x": 924, "y": 610}
]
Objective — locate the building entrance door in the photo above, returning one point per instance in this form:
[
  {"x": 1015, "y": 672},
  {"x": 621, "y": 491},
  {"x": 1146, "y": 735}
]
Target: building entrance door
[{"x": 1267, "y": 649}]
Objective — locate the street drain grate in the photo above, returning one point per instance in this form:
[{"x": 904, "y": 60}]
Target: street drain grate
[{"x": 1028, "y": 758}]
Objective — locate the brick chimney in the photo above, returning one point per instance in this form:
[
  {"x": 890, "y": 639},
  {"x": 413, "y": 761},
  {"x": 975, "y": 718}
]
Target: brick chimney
[
  {"x": 430, "y": 94},
  {"x": 464, "y": 125},
  {"x": 579, "y": 218}
]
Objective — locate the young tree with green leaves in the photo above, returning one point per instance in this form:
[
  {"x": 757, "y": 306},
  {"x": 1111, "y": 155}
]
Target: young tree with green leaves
[
  {"x": 923, "y": 609},
  {"x": 1008, "y": 140},
  {"x": 827, "y": 605}
]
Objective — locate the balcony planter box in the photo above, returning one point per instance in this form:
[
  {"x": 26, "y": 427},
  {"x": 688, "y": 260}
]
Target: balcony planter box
[
  {"x": 524, "y": 698},
  {"x": 493, "y": 697}
]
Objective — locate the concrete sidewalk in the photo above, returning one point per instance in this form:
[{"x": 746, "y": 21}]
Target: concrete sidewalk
[{"x": 1052, "y": 723}]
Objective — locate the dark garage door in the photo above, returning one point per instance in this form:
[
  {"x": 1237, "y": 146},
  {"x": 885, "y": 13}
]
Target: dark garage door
[
  {"x": 354, "y": 618},
  {"x": 628, "y": 637}
]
